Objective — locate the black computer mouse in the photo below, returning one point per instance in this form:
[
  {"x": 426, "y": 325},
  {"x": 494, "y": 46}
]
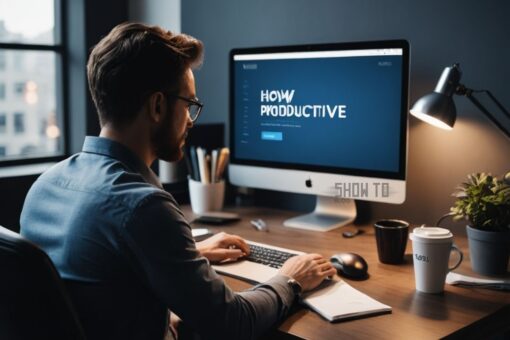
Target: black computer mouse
[{"x": 350, "y": 265}]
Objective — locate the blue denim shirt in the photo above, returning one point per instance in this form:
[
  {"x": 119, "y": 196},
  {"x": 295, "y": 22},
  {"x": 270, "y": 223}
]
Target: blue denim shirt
[{"x": 126, "y": 253}]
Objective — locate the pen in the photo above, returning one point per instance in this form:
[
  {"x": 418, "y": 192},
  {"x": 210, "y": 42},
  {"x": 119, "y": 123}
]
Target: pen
[
  {"x": 207, "y": 169},
  {"x": 194, "y": 164},
  {"x": 201, "y": 164},
  {"x": 222, "y": 162},
  {"x": 214, "y": 165},
  {"x": 188, "y": 164}
]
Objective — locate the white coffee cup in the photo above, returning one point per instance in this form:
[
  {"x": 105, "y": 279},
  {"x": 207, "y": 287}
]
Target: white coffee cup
[
  {"x": 206, "y": 197},
  {"x": 431, "y": 253}
]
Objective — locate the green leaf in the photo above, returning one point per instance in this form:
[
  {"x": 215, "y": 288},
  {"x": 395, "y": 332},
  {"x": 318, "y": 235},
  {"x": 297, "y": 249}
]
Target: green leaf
[{"x": 484, "y": 200}]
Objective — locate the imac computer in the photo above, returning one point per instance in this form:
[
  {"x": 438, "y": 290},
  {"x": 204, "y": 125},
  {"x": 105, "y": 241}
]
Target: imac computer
[{"x": 328, "y": 120}]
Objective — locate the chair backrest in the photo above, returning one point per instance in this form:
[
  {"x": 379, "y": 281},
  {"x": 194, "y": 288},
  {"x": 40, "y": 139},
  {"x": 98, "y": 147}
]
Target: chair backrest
[{"x": 33, "y": 301}]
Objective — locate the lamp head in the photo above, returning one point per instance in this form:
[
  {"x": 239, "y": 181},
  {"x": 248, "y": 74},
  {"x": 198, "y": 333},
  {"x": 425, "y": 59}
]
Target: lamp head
[{"x": 437, "y": 108}]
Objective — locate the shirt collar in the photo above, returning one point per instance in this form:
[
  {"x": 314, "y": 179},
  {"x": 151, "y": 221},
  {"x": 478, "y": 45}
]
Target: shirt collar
[{"x": 113, "y": 149}]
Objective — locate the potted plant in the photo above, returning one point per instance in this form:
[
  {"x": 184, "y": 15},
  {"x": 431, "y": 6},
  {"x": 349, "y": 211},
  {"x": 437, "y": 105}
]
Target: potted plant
[{"x": 484, "y": 201}]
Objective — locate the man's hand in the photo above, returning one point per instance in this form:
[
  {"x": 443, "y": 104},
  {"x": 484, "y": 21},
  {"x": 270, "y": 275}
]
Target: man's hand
[
  {"x": 309, "y": 270},
  {"x": 222, "y": 247}
]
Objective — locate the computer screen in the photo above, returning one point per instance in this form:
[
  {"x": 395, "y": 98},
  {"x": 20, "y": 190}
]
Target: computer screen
[{"x": 321, "y": 119}]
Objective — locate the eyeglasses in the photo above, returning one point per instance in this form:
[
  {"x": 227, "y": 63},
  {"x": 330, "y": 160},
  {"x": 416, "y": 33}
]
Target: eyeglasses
[{"x": 194, "y": 106}]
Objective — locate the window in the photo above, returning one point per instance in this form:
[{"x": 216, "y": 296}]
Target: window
[
  {"x": 3, "y": 150},
  {"x": 3, "y": 122},
  {"x": 32, "y": 56},
  {"x": 19, "y": 122},
  {"x": 19, "y": 89}
]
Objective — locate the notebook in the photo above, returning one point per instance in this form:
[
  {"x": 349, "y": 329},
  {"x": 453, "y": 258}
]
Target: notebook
[
  {"x": 337, "y": 300},
  {"x": 502, "y": 283}
]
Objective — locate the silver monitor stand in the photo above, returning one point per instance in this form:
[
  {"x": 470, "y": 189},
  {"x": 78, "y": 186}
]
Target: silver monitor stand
[{"x": 330, "y": 213}]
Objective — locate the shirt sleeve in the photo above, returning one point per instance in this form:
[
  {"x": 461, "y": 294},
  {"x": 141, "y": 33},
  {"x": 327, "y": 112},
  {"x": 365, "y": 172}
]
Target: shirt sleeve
[{"x": 160, "y": 240}]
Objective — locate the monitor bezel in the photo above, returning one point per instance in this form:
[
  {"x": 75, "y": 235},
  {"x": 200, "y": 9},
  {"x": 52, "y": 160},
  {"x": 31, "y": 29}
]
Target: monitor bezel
[{"x": 363, "y": 45}]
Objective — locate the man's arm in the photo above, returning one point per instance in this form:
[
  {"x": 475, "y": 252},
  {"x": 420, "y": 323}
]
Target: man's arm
[{"x": 160, "y": 239}]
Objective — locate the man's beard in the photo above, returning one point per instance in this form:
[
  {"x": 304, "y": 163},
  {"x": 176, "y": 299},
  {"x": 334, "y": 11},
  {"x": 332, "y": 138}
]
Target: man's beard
[{"x": 167, "y": 146}]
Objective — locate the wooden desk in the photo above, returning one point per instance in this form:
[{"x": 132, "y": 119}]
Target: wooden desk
[{"x": 458, "y": 313}]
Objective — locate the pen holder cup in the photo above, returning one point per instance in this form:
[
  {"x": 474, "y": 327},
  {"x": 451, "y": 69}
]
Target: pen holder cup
[{"x": 206, "y": 197}]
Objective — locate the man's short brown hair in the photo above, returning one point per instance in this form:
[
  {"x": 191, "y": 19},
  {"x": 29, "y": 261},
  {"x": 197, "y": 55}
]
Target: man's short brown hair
[{"x": 132, "y": 62}]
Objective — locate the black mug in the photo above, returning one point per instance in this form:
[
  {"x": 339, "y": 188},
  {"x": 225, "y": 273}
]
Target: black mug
[{"x": 391, "y": 238}]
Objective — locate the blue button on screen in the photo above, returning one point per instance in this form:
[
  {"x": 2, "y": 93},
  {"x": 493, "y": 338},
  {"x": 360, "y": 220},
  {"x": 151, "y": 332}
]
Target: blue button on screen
[{"x": 272, "y": 135}]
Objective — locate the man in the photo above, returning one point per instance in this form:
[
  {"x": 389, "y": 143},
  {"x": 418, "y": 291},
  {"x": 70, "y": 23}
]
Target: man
[{"x": 117, "y": 238}]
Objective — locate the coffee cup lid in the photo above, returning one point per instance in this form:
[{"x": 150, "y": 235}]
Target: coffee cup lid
[{"x": 431, "y": 234}]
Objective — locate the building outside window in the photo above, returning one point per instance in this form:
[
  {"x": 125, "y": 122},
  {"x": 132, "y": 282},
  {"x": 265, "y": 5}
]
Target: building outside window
[
  {"x": 19, "y": 122},
  {"x": 2, "y": 61},
  {"x": 19, "y": 89},
  {"x": 3, "y": 122},
  {"x": 32, "y": 56}
]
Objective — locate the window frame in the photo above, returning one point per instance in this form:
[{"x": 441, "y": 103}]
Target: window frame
[{"x": 61, "y": 51}]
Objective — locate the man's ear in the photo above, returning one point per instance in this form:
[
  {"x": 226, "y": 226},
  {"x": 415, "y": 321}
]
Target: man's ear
[{"x": 156, "y": 107}]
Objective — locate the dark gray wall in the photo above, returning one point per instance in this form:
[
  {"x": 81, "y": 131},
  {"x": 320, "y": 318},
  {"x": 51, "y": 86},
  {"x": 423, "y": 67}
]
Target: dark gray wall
[{"x": 474, "y": 33}]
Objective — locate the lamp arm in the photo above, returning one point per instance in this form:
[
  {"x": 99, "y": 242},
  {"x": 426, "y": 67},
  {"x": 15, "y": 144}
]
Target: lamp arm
[
  {"x": 469, "y": 94},
  {"x": 497, "y": 103}
]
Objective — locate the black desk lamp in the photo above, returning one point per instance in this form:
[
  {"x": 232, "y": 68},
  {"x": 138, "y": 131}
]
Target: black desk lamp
[{"x": 437, "y": 108}]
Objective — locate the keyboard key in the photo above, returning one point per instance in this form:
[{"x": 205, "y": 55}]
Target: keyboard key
[{"x": 270, "y": 257}]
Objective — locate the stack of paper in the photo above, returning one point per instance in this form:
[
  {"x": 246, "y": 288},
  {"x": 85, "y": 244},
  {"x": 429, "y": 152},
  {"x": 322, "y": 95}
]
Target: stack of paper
[
  {"x": 338, "y": 301},
  {"x": 464, "y": 280}
]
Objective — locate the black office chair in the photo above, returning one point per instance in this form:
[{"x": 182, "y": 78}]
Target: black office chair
[{"x": 33, "y": 301}]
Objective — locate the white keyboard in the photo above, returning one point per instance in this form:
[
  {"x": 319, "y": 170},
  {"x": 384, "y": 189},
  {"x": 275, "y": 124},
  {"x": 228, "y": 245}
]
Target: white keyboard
[{"x": 262, "y": 264}]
